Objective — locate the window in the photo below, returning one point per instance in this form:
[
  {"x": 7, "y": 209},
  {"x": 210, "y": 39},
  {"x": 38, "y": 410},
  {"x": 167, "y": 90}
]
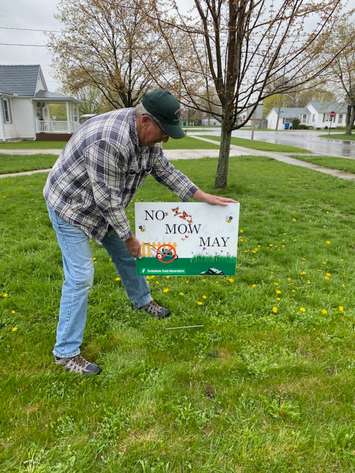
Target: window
[
  {"x": 6, "y": 111},
  {"x": 340, "y": 117}
]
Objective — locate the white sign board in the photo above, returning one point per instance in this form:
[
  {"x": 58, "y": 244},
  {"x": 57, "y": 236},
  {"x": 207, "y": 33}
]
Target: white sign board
[{"x": 182, "y": 238}]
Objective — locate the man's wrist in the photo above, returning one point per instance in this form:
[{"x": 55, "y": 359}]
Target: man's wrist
[{"x": 198, "y": 195}]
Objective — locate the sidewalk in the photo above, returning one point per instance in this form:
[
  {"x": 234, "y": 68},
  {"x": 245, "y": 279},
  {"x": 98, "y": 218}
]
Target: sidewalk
[{"x": 195, "y": 154}]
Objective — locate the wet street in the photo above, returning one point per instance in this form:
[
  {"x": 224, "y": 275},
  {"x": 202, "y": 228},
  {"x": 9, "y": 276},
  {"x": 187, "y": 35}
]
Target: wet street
[{"x": 302, "y": 138}]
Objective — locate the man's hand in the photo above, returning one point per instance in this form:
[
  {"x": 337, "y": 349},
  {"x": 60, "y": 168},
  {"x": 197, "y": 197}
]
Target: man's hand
[
  {"x": 212, "y": 199},
  {"x": 134, "y": 246}
]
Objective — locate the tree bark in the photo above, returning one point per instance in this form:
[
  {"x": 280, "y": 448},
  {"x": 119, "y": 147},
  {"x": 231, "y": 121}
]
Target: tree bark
[
  {"x": 350, "y": 122},
  {"x": 223, "y": 159}
]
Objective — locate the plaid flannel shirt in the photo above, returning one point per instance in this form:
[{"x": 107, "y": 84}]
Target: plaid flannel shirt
[{"x": 99, "y": 171}]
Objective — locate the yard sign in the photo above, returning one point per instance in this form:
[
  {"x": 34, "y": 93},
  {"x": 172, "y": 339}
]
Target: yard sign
[{"x": 181, "y": 239}]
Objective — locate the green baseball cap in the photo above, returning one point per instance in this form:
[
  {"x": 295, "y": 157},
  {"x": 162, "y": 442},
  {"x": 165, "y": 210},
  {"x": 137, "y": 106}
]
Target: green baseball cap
[{"x": 165, "y": 110}]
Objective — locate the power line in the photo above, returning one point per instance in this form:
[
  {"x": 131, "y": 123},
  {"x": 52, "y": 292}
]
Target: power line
[
  {"x": 28, "y": 29},
  {"x": 19, "y": 44}
]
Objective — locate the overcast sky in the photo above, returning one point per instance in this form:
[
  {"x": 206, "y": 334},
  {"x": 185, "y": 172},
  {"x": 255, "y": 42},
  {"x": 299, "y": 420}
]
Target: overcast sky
[
  {"x": 36, "y": 15},
  {"x": 31, "y": 14}
]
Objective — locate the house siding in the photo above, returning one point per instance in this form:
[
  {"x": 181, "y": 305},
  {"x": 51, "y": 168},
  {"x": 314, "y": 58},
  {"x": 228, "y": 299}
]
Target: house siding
[{"x": 24, "y": 118}]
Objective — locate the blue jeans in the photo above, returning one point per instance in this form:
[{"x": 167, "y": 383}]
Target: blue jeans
[{"x": 78, "y": 279}]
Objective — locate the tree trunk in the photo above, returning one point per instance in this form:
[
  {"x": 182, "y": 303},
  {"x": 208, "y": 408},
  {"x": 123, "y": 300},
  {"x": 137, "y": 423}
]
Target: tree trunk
[
  {"x": 350, "y": 122},
  {"x": 223, "y": 159}
]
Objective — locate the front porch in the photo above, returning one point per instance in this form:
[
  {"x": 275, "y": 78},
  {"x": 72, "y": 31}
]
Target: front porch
[{"x": 56, "y": 117}]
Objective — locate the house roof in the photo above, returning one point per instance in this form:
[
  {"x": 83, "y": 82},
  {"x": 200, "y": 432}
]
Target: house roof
[
  {"x": 7, "y": 94},
  {"x": 326, "y": 107},
  {"x": 20, "y": 79},
  {"x": 46, "y": 95},
  {"x": 290, "y": 112}
]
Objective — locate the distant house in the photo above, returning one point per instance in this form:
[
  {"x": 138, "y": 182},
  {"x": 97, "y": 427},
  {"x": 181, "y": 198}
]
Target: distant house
[
  {"x": 314, "y": 114},
  {"x": 210, "y": 121},
  {"x": 25, "y": 106},
  {"x": 281, "y": 118},
  {"x": 319, "y": 114}
]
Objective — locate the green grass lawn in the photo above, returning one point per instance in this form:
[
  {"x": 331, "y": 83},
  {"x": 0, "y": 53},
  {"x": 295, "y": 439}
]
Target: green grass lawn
[
  {"x": 183, "y": 143},
  {"x": 10, "y": 164},
  {"x": 27, "y": 144},
  {"x": 19, "y": 163},
  {"x": 346, "y": 165},
  {"x": 339, "y": 136},
  {"x": 266, "y": 385},
  {"x": 188, "y": 143},
  {"x": 262, "y": 145}
]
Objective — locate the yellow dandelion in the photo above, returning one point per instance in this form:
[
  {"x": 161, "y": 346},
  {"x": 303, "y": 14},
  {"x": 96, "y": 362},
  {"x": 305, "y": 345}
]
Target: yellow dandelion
[
  {"x": 278, "y": 299},
  {"x": 302, "y": 310},
  {"x": 199, "y": 303},
  {"x": 94, "y": 258},
  {"x": 166, "y": 289},
  {"x": 302, "y": 273},
  {"x": 328, "y": 275},
  {"x": 341, "y": 309},
  {"x": 278, "y": 292},
  {"x": 253, "y": 286},
  {"x": 328, "y": 242},
  {"x": 241, "y": 230},
  {"x": 14, "y": 329},
  {"x": 13, "y": 312},
  {"x": 204, "y": 297},
  {"x": 274, "y": 310},
  {"x": 117, "y": 279},
  {"x": 324, "y": 312},
  {"x": 231, "y": 280}
]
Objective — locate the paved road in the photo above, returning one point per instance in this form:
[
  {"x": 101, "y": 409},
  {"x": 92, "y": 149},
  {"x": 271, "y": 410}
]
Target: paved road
[{"x": 303, "y": 138}]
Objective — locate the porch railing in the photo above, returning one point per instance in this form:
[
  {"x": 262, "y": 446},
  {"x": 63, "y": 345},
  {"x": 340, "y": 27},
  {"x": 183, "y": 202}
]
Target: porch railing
[{"x": 56, "y": 126}]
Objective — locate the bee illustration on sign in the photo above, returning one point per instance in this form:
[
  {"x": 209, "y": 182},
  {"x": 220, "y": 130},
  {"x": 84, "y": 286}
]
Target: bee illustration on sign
[
  {"x": 142, "y": 228},
  {"x": 229, "y": 219}
]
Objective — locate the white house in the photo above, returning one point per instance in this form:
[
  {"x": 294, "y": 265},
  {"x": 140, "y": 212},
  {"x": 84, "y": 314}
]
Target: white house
[
  {"x": 24, "y": 101},
  {"x": 281, "y": 118},
  {"x": 325, "y": 115},
  {"x": 314, "y": 114}
]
